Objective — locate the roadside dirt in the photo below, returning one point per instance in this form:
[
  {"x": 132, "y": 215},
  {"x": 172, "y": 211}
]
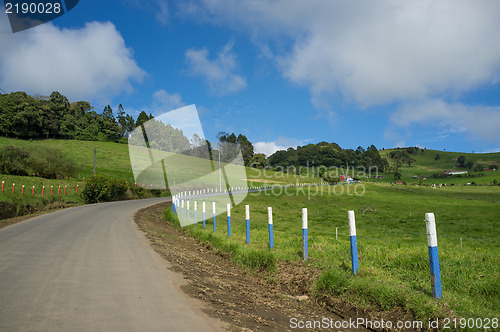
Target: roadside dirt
[{"x": 247, "y": 300}]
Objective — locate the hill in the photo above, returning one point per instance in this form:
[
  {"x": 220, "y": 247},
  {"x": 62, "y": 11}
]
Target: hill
[{"x": 429, "y": 162}]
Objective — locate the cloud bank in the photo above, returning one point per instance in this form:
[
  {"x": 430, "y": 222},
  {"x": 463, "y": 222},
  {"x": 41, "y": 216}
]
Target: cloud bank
[{"x": 91, "y": 62}]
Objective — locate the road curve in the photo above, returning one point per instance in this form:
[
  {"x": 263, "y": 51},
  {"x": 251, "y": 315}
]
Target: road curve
[{"x": 89, "y": 268}]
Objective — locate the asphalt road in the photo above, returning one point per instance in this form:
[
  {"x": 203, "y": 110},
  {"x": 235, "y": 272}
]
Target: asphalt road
[{"x": 89, "y": 268}]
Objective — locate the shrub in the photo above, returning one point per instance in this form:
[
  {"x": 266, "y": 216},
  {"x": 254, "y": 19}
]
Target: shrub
[
  {"x": 50, "y": 163},
  {"x": 102, "y": 188},
  {"x": 46, "y": 162},
  {"x": 7, "y": 210},
  {"x": 13, "y": 161}
]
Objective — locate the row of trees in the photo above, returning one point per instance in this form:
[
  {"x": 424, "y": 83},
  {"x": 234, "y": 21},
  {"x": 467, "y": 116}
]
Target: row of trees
[
  {"x": 24, "y": 116},
  {"x": 328, "y": 155}
]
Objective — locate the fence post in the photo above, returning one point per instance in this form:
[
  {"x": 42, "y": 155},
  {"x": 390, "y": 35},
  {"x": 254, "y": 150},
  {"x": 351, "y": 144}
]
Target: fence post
[
  {"x": 213, "y": 207},
  {"x": 430, "y": 225},
  {"x": 203, "y": 214},
  {"x": 228, "y": 219},
  {"x": 43, "y": 189},
  {"x": 13, "y": 187},
  {"x": 59, "y": 191},
  {"x": 182, "y": 208},
  {"x": 270, "y": 219},
  {"x": 354, "y": 245},
  {"x": 247, "y": 215},
  {"x": 51, "y": 188},
  {"x": 195, "y": 212},
  {"x": 304, "y": 233},
  {"x": 22, "y": 192},
  {"x": 77, "y": 189},
  {"x": 3, "y": 185},
  {"x": 187, "y": 210},
  {"x": 33, "y": 191}
]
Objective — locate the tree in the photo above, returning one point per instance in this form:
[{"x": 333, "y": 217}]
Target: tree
[
  {"x": 109, "y": 128},
  {"x": 397, "y": 175},
  {"x": 246, "y": 149},
  {"x": 437, "y": 156},
  {"x": 461, "y": 161},
  {"x": 409, "y": 161},
  {"x": 259, "y": 160},
  {"x": 469, "y": 165},
  {"x": 122, "y": 121},
  {"x": 143, "y": 117}
]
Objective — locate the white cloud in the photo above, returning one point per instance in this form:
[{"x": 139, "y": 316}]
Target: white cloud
[
  {"x": 267, "y": 148},
  {"x": 162, "y": 12},
  {"x": 477, "y": 121},
  {"x": 91, "y": 62},
  {"x": 282, "y": 143},
  {"x": 165, "y": 102},
  {"x": 372, "y": 52},
  {"x": 157, "y": 8},
  {"x": 219, "y": 73}
]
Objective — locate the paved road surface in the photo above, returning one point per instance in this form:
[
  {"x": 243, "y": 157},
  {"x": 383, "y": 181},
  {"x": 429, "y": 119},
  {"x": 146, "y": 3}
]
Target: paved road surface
[{"x": 89, "y": 268}]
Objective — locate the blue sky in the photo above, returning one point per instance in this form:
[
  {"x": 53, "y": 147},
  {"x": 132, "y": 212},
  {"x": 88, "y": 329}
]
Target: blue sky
[{"x": 283, "y": 72}]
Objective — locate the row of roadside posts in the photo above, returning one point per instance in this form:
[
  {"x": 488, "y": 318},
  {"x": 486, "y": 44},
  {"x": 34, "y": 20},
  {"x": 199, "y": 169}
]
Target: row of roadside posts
[{"x": 178, "y": 203}]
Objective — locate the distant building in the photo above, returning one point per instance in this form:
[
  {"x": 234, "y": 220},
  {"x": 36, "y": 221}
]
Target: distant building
[{"x": 455, "y": 172}]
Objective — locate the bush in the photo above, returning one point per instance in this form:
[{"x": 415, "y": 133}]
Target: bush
[
  {"x": 13, "y": 161},
  {"x": 7, "y": 210},
  {"x": 50, "y": 163},
  {"x": 45, "y": 162},
  {"x": 102, "y": 188}
]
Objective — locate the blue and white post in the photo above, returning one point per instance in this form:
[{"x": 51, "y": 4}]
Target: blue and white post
[
  {"x": 195, "y": 211},
  {"x": 247, "y": 215},
  {"x": 228, "y": 219},
  {"x": 187, "y": 210},
  {"x": 354, "y": 244},
  {"x": 304, "y": 233},
  {"x": 430, "y": 225},
  {"x": 182, "y": 209},
  {"x": 213, "y": 208},
  {"x": 270, "y": 218},
  {"x": 204, "y": 215}
]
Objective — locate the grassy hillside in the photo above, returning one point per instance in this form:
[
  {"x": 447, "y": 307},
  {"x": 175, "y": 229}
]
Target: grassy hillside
[
  {"x": 113, "y": 159},
  {"x": 426, "y": 164}
]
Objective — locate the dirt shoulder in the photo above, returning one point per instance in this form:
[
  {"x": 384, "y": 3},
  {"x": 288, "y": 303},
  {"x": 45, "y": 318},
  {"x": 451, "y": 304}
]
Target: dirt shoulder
[{"x": 247, "y": 300}]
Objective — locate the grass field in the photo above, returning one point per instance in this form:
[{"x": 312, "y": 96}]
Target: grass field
[
  {"x": 394, "y": 266},
  {"x": 426, "y": 165}
]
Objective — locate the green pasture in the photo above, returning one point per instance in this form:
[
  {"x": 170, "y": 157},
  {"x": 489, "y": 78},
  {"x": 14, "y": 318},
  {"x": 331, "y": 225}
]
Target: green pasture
[{"x": 393, "y": 256}]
